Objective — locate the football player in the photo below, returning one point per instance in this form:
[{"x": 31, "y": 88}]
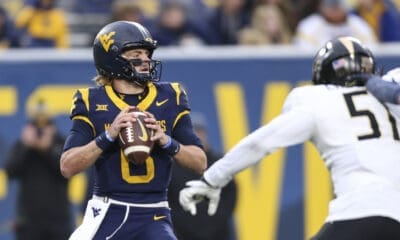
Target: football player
[
  {"x": 129, "y": 201},
  {"x": 356, "y": 135},
  {"x": 387, "y": 90}
]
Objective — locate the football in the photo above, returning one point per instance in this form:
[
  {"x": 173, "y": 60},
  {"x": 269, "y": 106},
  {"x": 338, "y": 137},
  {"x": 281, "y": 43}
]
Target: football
[{"x": 135, "y": 140}]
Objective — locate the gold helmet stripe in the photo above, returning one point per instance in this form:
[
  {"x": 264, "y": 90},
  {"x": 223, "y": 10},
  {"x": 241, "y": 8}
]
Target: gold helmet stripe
[{"x": 348, "y": 44}]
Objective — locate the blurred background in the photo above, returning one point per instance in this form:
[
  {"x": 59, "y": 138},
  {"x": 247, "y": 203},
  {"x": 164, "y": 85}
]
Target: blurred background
[{"x": 237, "y": 59}]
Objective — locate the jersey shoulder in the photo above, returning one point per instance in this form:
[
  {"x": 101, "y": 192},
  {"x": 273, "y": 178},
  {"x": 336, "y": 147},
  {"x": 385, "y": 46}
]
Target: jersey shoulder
[
  {"x": 302, "y": 96},
  {"x": 169, "y": 87},
  {"x": 312, "y": 97},
  {"x": 174, "y": 91},
  {"x": 82, "y": 98}
]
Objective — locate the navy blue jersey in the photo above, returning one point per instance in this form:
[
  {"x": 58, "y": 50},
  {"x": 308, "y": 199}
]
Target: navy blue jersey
[{"x": 94, "y": 109}]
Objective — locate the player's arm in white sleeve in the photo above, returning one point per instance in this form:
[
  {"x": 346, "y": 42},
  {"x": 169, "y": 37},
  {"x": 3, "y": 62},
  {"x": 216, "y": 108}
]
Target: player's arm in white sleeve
[
  {"x": 293, "y": 126},
  {"x": 387, "y": 88},
  {"x": 285, "y": 130}
]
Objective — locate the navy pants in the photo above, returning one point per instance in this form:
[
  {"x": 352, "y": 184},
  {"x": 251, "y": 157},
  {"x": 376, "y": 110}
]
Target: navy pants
[{"x": 134, "y": 223}]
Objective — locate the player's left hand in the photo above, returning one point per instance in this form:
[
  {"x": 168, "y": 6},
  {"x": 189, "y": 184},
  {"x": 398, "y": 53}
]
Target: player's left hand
[
  {"x": 159, "y": 135},
  {"x": 194, "y": 192}
]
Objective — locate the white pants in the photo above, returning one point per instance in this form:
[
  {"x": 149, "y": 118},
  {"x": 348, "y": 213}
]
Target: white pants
[{"x": 95, "y": 212}]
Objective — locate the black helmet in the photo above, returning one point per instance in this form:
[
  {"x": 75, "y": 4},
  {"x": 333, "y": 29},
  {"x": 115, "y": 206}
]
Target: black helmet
[
  {"x": 114, "y": 39},
  {"x": 343, "y": 61}
]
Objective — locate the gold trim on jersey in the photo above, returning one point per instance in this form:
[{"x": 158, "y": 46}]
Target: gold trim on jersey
[
  {"x": 150, "y": 97},
  {"x": 143, "y": 105},
  {"x": 86, "y": 120},
  {"x": 178, "y": 91},
  {"x": 85, "y": 96},
  {"x": 114, "y": 98},
  {"x": 179, "y": 117}
]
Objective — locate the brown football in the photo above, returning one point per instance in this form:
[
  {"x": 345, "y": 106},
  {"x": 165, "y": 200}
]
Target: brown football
[{"x": 135, "y": 140}]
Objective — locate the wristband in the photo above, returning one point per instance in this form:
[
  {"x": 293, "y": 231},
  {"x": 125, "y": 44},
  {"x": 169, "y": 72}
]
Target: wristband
[
  {"x": 103, "y": 142},
  {"x": 167, "y": 144},
  {"x": 109, "y": 137},
  {"x": 172, "y": 147}
]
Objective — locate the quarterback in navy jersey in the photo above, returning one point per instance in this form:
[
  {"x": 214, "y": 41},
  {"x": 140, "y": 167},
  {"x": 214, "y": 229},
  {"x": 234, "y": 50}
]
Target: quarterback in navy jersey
[{"x": 129, "y": 201}]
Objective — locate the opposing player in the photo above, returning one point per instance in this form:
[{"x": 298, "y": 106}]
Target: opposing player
[
  {"x": 355, "y": 134},
  {"x": 129, "y": 201},
  {"x": 387, "y": 90}
]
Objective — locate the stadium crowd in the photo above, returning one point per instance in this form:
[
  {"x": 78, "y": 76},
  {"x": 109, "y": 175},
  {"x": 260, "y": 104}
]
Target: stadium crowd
[{"x": 306, "y": 23}]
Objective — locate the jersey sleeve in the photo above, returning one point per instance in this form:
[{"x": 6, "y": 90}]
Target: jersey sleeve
[
  {"x": 181, "y": 97},
  {"x": 182, "y": 129},
  {"x": 79, "y": 135},
  {"x": 80, "y": 107},
  {"x": 184, "y": 132},
  {"x": 82, "y": 131},
  {"x": 387, "y": 89},
  {"x": 295, "y": 125},
  {"x": 298, "y": 100},
  {"x": 182, "y": 102}
]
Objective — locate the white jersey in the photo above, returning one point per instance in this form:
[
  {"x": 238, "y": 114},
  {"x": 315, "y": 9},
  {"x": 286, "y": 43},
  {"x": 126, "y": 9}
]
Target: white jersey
[{"x": 356, "y": 136}]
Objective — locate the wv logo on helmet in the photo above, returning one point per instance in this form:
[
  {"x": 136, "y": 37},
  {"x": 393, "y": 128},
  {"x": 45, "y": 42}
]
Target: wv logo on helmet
[{"x": 106, "y": 40}]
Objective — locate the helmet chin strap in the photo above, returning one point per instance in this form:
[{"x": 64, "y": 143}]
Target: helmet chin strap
[{"x": 141, "y": 79}]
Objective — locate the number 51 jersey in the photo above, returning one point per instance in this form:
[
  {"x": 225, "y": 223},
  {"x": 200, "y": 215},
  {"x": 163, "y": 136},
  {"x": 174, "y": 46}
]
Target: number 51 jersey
[{"x": 358, "y": 138}]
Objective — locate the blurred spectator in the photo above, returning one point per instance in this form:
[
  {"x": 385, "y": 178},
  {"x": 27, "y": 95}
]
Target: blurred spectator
[
  {"x": 286, "y": 8},
  {"x": 331, "y": 21},
  {"x": 304, "y": 8},
  {"x": 127, "y": 10},
  {"x": 121, "y": 10},
  {"x": 382, "y": 16},
  {"x": 201, "y": 8},
  {"x": 8, "y": 33},
  {"x": 268, "y": 26},
  {"x": 228, "y": 19},
  {"x": 397, "y": 4},
  {"x": 43, "y": 25},
  {"x": 92, "y": 6},
  {"x": 173, "y": 27},
  {"x": 43, "y": 208},
  {"x": 12, "y": 6},
  {"x": 202, "y": 226}
]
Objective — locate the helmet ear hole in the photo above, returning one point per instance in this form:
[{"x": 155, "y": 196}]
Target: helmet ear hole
[{"x": 115, "y": 38}]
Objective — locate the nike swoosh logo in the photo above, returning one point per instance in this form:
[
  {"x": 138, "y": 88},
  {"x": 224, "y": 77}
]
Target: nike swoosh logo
[
  {"x": 161, "y": 102},
  {"x": 144, "y": 137},
  {"x": 156, "y": 218}
]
